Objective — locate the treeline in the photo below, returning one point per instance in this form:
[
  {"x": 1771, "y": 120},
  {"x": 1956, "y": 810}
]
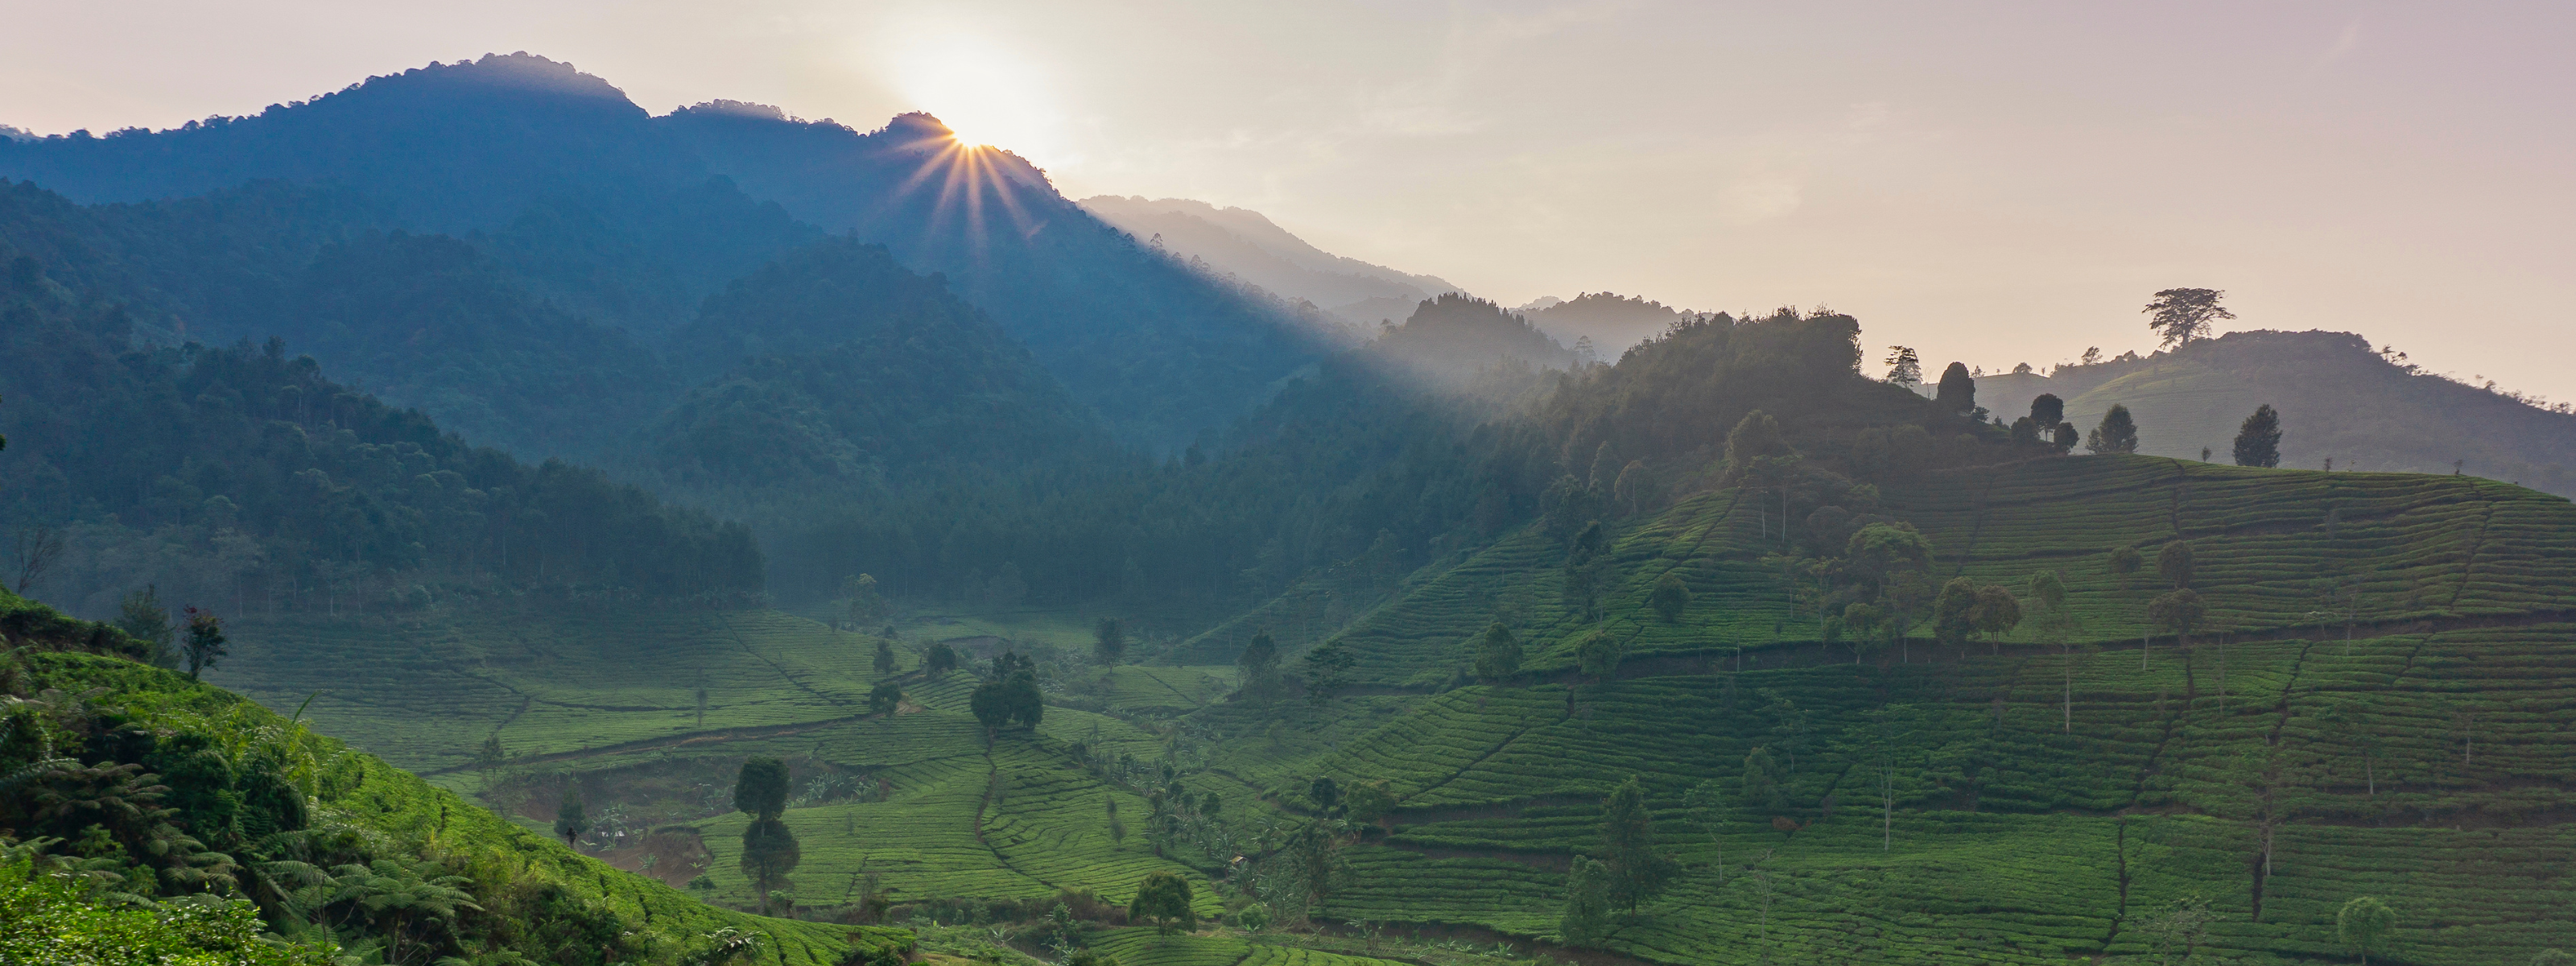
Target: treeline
[{"x": 244, "y": 479}]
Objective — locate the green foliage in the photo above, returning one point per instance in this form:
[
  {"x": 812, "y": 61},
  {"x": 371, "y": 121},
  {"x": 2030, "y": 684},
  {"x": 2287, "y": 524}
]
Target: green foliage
[
  {"x": 2176, "y": 612},
  {"x": 1497, "y": 654},
  {"x": 2184, "y": 315},
  {"x": 1954, "y": 612},
  {"x": 769, "y": 852},
  {"x": 2117, "y": 433},
  {"x": 1586, "y": 917},
  {"x": 142, "y": 617},
  {"x": 939, "y": 660},
  {"x": 1164, "y": 901},
  {"x": 1109, "y": 640},
  {"x": 1957, "y": 392},
  {"x": 46, "y": 916},
  {"x": 1669, "y": 598},
  {"x": 2258, "y": 441},
  {"x": 1637, "y": 871},
  {"x": 570, "y": 818},
  {"x": 1259, "y": 668},
  {"x": 206, "y": 643},
  {"x": 1759, "y": 782},
  {"x": 2174, "y": 563},
  {"x": 2365, "y": 925},
  {"x": 1598, "y": 654},
  {"x": 884, "y": 698},
  {"x": 760, "y": 788}
]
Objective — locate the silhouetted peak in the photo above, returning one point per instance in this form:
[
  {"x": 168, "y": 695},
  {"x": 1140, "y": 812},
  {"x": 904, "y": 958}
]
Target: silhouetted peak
[
  {"x": 919, "y": 124},
  {"x": 741, "y": 109}
]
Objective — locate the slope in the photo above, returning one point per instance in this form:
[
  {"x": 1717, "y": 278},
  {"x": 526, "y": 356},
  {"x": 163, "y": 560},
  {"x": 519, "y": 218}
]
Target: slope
[
  {"x": 2339, "y": 399},
  {"x": 1245, "y": 244}
]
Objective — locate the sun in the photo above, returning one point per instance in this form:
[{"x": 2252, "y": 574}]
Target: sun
[{"x": 986, "y": 95}]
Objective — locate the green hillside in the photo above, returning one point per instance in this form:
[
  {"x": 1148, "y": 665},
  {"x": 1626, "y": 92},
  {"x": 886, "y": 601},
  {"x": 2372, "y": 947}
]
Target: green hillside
[{"x": 132, "y": 788}]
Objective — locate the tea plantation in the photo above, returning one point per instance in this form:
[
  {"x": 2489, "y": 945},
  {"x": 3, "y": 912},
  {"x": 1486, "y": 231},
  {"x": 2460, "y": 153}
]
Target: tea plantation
[{"x": 2376, "y": 702}]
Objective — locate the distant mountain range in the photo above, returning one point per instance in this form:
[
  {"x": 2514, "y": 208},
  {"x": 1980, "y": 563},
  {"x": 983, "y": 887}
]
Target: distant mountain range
[{"x": 1247, "y": 245}]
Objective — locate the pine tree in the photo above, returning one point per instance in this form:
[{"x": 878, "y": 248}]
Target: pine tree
[
  {"x": 1904, "y": 367},
  {"x": 1109, "y": 640},
  {"x": 2258, "y": 441}
]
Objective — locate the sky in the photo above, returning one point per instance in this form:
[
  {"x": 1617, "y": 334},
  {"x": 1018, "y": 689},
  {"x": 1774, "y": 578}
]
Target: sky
[{"x": 1990, "y": 182}]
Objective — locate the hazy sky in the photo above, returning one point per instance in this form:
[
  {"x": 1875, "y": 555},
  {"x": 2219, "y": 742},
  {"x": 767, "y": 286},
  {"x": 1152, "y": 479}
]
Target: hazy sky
[{"x": 1993, "y": 182}]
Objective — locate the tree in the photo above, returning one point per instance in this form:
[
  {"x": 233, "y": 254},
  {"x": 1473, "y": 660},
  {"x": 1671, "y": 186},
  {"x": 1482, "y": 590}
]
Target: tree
[
  {"x": 570, "y": 821},
  {"x": 760, "y": 787},
  {"x": 491, "y": 756},
  {"x": 1010, "y": 699},
  {"x": 884, "y": 663},
  {"x": 939, "y": 660},
  {"x": 38, "y": 547},
  {"x": 2174, "y": 563},
  {"x": 2177, "y": 611},
  {"x": 1760, "y": 782},
  {"x": 1637, "y": 871},
  {"x": 141, "y": 616},
  {"x": 1957, "y": 392},
  {"x": 1954, "y": 612},
  {"x": 1164, "y": 902},
  {"x": 1633, "y": 485},
  {"x": 1670, "y": 597},
  {"x": 884, "y": 698},
  {"x": 1598, "y": 654},
  {"x": 205, "y": 641},
  {"x": 1498, "y": 654},
  {"x": 2258, "y": 441},
  {"x": 2553, "y": 957},
  {"x": 1259, "y": 667},
  {"x": 2184, "y": 924},
  {"x": 2056, "y": 626},
  {"x": 1904, "y": 368},
  {"x": 2117, "y": 433},
  {"x": 2025, "y": 432},
  {"x": 1328, "y": 671},
  {"x": 769, "y": 853},
  {"x": 1707, "y": 805},
  {"x": 865, "y": 605},
  {"x": 2365, "y": 925},
  {"x": 2123, "y": 562},
  {"x": 1367, "y": 802},
  {"x": 1109, "y": 640},
  {"x": 2184, "y": 315},
  {"x": 2047, "y": 410},
  {"x": 2064, "y": 437},
  {"x": 1997, "y": 613},
  {"x": 1586, "y": 919}
]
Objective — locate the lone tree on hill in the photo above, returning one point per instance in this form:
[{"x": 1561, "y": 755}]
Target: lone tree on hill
[
  {"x": 1109, "y": 640},
  {"x": 491, "y": 756},
  {"x": 1670, "y": 597},
  {"x": 2047, "y": 410},
  {"x": 206, "y": 642},
  {"x": 769, "y": 849},
  {"x": 2117, "y": 433},
  {"x": 1498, "y": 654},
  {"x": 2258, "y": 441},
  {"x": 1164, "y": 902},
  {"x": 939, "y": 660},
  {"x": 2174, "y": 563},
  {"x": 2056, "y": 626},
  {"x": 1958, "y": 390},
  {"x": 2178, "y": 612},
  {"x": 1586, "y": 920},
  {"x": 1010, "y": 698},
  {"x": 1637, "y": 871},
  {"x": 570, "y": 821},
  {"x": 2184, "y": 315},
  {"x": 2365, "y": 925},
  {"x": 1258, "y": 667}
]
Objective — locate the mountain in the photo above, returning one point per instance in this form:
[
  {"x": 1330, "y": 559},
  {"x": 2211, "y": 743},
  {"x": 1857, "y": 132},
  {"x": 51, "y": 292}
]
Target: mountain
[
  {"x": 1243, "y": 243},
  {"x": 1453, "y": 338},
  {"x": 2337, "y": 397},
  {"x": 625, "y": 221}
]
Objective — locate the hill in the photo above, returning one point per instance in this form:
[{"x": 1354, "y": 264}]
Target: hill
[
  {"x": 2338, "y": 400},
  {"x": 1243, "y": 243},
  {"x": 151, "y": 812},
  {"x": 1611, "y": 322}
]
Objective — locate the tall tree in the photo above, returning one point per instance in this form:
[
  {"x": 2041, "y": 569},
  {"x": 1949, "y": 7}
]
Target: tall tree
[
  {"x": 1498, "y": 654},
  {"x": 1637, "y": 871},
  {"x": 884, "y": 661},
  {"x": 141, "y": 616},
  {"x": 884, "y": 698},
  {"x": 2258, "y": 441},
  {"x": 1958, "y": 390},
  {"x": 938, "y": 660},
  {"x": 2117, "y": 433},
  {"x": 769, "y": 849},
  {"x": 2184, "y": 315},
  {"x": 1997, "y": 613},
  {"x": 2064, "y": 437},
  {"x": 864, "y": 604},
  {"x": 2047, "y": 410},
  {"x": 1109, "y": 640},
  {"x": 1586, "y": 919},
  {"x": 1760, "y": 782},
  {"x": 1708, "y": 809},
  {"x": 1328, "y": 671},
  {"x": 2056, "y": 626},
  {"x": 1954, "y": 612}
]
